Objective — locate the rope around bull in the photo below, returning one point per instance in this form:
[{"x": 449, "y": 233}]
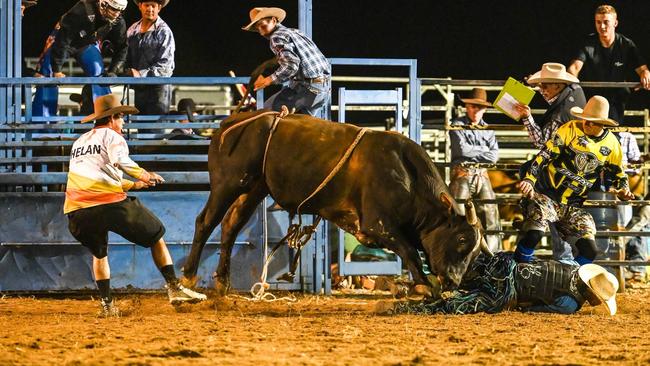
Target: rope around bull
[{"x": 297, "y": 235}]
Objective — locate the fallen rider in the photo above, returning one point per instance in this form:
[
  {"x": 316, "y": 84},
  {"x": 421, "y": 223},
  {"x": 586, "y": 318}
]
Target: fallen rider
[{"x": 498, "y": 283}]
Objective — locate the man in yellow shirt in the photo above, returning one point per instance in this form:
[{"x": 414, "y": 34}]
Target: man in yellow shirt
[
  {"x": 557, "y": 182},
  {"x": 96, "y": 201}
]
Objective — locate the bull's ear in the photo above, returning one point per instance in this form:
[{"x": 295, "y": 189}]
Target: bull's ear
[{"x": 447, "y": 201}]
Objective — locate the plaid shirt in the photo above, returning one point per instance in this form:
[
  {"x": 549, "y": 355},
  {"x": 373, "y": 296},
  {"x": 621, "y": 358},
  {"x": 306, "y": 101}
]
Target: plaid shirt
[
  {"x": 298, "y": 56},
  {"x": 538, "y": 135},
  {"x": 630, "y": 149}
]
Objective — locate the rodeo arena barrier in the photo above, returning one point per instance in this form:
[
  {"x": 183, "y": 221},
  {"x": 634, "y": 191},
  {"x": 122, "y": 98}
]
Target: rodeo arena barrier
[{"x": 37, "y": 253}]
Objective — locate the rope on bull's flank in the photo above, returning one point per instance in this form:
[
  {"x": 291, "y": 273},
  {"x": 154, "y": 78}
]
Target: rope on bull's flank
[
  {"x": 241, "y": 123},
  {"x": 294, "y": 235}
]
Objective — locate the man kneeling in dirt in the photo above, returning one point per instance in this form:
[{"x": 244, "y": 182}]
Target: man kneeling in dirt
[
  {"x": 498, "y": 283},
  {"x": 96, "y": 202}
]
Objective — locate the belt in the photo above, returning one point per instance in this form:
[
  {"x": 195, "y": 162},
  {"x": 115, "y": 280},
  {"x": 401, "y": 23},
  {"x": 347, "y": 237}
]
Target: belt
[{"x": 318, "y": 80}]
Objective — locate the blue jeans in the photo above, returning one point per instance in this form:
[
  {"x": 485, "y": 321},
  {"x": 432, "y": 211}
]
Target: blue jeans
[
  {"x": 47, "y": 97},
  {"x": 307, "y": 97}
]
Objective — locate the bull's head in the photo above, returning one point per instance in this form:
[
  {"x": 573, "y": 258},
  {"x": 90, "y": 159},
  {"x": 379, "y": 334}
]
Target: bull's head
[{"x": 452, "y": 247}]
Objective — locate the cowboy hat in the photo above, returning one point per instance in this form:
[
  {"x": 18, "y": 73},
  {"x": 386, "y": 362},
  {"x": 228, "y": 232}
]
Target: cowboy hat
[
  {"x": 162, "y": 3},
  {"x": 601, "y": 283},
  {"x": 257, "y": 14},
  {"x": 108, "y": 105},
  {"x": 187, "y": 106},
  {"x": 552, "y": 72},
  {"x": 596, "y": 110},
  {"x": 28, "y": 3},
  {"x": 478, "y": 96}
]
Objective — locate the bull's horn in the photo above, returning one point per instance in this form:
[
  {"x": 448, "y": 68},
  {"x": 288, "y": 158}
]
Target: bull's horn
[
  {"x": 470, "y": 213},
  {"x": 484, "y": 247}
]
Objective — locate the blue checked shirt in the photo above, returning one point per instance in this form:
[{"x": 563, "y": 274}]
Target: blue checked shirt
[
  {"x": 151, "y": 52},
  {"x": 298, "y": 56}
]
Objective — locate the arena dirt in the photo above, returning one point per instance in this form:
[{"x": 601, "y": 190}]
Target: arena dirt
[{"x": 339, "y": 330}]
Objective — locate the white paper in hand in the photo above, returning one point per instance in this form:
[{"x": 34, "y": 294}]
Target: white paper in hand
[{"x": 507, "y": 103}]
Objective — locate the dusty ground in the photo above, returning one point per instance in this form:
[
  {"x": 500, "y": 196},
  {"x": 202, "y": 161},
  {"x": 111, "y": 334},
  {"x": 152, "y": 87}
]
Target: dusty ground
[{"x": 344, "y": 329}]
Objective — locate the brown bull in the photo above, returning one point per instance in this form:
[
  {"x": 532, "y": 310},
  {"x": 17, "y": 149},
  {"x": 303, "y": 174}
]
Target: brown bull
[{"x": 388, "y": 192}]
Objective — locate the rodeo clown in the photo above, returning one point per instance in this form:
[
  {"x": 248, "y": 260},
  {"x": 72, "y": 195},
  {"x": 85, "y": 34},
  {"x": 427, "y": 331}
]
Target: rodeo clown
[
  {"x": 557, "y": 182},
  {"x": 301, "y": 64},
  {"x": 85, "y": 31},
  {"x": 498, "y": 283},
  {"x": 96, "y": 201}
]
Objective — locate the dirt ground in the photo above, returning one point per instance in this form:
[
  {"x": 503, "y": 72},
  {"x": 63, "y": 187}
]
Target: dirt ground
[{"x": 338, "y": 330}]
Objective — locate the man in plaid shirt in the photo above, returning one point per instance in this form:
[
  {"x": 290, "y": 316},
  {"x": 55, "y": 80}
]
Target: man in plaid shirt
[{"x": 301, "y": 64}]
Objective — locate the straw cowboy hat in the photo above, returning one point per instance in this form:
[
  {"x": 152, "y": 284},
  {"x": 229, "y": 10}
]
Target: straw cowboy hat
[
  {"x": 552, "y": 72},
  {"x": 108, "y": 105},
  {"x": 257, "y": 14},
  {"x": 601, "y": 283},
  {"x": 596, "y": 110},
  {"x": 477, "y": 96},
  {"x": 162, "y": 3}
]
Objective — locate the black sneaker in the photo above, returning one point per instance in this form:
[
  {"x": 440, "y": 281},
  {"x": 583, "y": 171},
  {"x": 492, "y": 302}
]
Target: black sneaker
[{"x": 108, "y": 309}]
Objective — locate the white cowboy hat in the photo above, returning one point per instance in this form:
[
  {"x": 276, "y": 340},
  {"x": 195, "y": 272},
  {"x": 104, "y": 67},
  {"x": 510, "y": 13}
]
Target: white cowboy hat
[
  {"x": 596, "y": 110},
  {"x": 257, "y": 14},
  {"x": 552, "y": 72},
  {"x": 602, "y": 283},
  {"x": 108, "y": 105}
]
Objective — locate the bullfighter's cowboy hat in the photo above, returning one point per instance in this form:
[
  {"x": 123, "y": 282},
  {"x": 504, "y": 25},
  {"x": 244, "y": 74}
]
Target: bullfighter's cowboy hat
[
  {"x": 162, "y": 3},
  {"x": 257, "y": 14},
  {"x": 478, "y": 96},
  {"x": 601, "y": 283},
  {"x": 596, "y": 110},
  {"x": 28, "y": 3},
  {"x": 552, "y": 72},
  {"x": 108, "y": 105}
]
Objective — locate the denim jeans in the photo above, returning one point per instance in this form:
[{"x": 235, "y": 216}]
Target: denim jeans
[
  {"x": 47, "y": 97},
  {"x": 306, "y": 97}
]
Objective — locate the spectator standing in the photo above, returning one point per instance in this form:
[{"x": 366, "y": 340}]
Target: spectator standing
[
  {"x": 475, "y": 145},
  {"x": 610, "y": 56},
  {"x": 151, "y": 54}
]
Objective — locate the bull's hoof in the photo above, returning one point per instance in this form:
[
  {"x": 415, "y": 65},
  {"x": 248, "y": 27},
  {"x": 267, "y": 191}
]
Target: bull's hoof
[
  {"x": 189, "y": 282},
  {"x": 222, "y": 287},
  {"x": 421, "y": 291},
  {"x": 288, "y": 277}
]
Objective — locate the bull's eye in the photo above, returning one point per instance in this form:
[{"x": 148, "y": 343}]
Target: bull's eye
[{"x": 461, "y": 239}]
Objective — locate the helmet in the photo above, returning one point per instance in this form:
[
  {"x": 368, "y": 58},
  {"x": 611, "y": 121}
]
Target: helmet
[
  {"x": 111, "y": 9},
  {"x": 115, "y": 4}
]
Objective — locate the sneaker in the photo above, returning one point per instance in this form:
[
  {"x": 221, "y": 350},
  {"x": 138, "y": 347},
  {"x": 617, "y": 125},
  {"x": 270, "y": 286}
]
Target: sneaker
[
  {"x": 108, "y": 309},
  {"x": 179, "y": 294}
]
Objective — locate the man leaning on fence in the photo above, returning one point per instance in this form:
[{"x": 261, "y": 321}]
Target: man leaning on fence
[
  {"x": 557, "y": 182},
  {"x": 96, "y": 202},
  {"x": 151, "y": 54},
  {"x": 475, "y": 145},
  {"x": 610, "y": 56}
]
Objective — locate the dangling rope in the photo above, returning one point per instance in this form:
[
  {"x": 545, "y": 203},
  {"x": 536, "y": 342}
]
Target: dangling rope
[{"x": 297, "y": 234}]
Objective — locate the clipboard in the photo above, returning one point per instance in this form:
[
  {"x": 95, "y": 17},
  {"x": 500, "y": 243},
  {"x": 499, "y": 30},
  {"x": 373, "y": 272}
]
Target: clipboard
[{"x": 513, "y": 92}]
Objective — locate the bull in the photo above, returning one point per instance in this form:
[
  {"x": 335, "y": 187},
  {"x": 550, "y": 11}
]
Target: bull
[{"x": 387, "y": 193}]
